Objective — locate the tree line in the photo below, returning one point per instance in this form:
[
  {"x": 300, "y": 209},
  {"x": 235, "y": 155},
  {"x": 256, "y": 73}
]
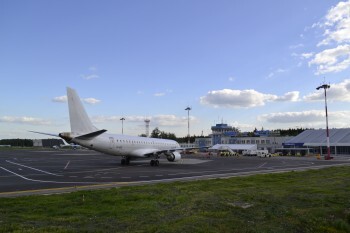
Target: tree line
[{"x": 17, "y": 142}]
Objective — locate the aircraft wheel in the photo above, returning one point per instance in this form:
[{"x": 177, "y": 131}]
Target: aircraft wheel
[
  {"x": 152, "y": 163},
  {"x": 156, "y": 162},
  {"x": 123, "y": 162},
  {"x": 127, "y": 161}
]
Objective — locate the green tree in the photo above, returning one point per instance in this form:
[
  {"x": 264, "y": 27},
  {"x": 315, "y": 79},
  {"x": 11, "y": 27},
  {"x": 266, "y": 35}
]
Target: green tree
[{"x": 155, "y": 133}]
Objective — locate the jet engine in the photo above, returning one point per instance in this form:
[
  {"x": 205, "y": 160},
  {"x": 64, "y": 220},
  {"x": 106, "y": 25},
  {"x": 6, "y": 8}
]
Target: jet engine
[{"x": 173, "y": 156}]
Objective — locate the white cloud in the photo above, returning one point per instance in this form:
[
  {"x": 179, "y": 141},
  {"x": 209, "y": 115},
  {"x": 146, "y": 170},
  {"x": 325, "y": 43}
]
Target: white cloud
[
  {"x": 275, "y": 72},
  {"x": 103, "y": 119},
  {"x": 332, "y": 60},
  {"x": 337, "y": 92},
  {"x": 60, "y": 99},
  {"x": 336, "y": 27},
  {"x": 311, "y": 119},
  {"x": 93, "y": 68},
  {"x": 337, "y": 24},
  {"x": 159, "y": 94},
  {"x": 63, "y": 99},
  {"x": 231, "y": 79},
  {"x": 90, "y": 76},
  {"x": 292, "y": 96},
  {"x": 170, "y": 120},
  {"x": 306, "y": 55},
  {"x": 296, "y": 46},
  {"x": 91, "y": 100},
  {"x": 228, "y": 98},
  {"x": 242, "y": 126},
  {"x": 24, "y": 120},
  {"x": 158, "y": 120},
  {"x": 293, "y": 117}
]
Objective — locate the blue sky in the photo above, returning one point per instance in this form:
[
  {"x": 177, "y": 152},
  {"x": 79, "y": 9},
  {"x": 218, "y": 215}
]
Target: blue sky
[{"x": 245, "y": 63}]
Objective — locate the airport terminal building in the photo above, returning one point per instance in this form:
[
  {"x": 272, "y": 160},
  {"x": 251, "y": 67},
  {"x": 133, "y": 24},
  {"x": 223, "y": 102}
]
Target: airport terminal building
[
  {"x": 307, "y": 142},
  {"x": 225, "y": 134},
  {"x": 315, "y": 141}
]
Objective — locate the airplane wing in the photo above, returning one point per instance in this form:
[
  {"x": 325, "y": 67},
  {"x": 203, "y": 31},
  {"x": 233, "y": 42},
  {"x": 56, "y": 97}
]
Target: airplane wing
[
  {"x": 50, "y": 134},
  {"x": 189, "y": 148},
  {"x": 145, "y": 152}
]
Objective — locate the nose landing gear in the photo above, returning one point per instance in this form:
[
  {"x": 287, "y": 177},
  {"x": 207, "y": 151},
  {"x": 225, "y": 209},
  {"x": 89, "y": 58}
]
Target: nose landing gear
[
  {"x": 125, "y": 161},
  {"x": 154, "y": 162}
]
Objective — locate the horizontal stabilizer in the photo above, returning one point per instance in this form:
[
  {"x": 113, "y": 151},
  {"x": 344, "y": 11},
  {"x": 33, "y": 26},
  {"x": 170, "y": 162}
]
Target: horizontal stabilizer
[{"x": 91, "y": 135}]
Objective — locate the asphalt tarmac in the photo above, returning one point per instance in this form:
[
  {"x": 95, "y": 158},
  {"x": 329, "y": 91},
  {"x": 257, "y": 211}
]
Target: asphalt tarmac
[{"x": 29, "y": 172}]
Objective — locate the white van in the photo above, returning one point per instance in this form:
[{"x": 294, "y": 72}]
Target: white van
[{"x": 263, "y": 153}]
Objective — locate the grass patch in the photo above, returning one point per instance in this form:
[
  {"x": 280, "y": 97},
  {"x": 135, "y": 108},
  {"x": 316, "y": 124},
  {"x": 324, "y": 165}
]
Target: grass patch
[{"x": 311, "y": 201}]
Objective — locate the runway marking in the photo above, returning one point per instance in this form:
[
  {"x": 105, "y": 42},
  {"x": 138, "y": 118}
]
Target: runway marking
[
  {"x": 143, "y": 176},
  {"x": 106, "y": 177},
  {"x": 159, "y": 175},
  {"x": 97, "y": 170},
  {"x": 94, "y": 185},
  {"x": 262, "y": 165},
  {"x": 46, "y": 181},
  {"x": 49, "y": 173},
  {"x": 66, "y": 165}
]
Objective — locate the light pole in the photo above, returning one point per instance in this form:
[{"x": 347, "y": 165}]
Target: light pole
[
  {"x": 188, "y": 124},
  {"x": 122, "y": 119},
  {"x": 325, "y": 87}
]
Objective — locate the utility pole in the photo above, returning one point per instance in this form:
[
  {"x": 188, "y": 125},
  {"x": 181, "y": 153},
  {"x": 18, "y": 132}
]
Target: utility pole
[
  {"x": 122, "y": 119},
  {"x": 325, "y": 87},
  {"x": 188, "y": 124}
]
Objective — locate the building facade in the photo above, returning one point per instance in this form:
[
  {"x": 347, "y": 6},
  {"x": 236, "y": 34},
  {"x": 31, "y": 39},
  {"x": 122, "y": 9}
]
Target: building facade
[
  {"x": 315, "y": 141},
  {"x": 225, "y": 134}
]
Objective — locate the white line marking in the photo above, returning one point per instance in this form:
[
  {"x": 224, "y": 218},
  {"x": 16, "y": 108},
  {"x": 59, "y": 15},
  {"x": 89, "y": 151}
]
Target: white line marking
[
  {"x": 66, "y": 165},
  {"x": 45, "y": 181},
  {"x": 262, "y": 165},
  {"x": 33, "y": 168}
]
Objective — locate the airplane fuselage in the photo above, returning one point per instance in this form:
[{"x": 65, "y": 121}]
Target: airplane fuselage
[{"x": 131, "y": 146}]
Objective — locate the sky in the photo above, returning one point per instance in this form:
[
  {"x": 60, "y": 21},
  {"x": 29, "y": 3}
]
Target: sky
[{"x": 250, "y": 64}]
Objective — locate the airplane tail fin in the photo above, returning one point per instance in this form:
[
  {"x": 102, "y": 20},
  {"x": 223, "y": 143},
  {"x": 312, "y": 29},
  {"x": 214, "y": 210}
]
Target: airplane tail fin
[{"x": 79, "y": 121}]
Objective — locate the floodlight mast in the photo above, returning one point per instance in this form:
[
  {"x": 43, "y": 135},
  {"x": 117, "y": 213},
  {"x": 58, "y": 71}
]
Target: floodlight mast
[
  {"x": 188, "y": 124},
  {"x": 325, "y": 87},
  {"x": 122, "y": 119}
]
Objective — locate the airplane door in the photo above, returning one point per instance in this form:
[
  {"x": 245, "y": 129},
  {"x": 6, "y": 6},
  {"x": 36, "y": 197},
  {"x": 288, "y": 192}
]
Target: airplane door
[{"x": 111, "y": 143}]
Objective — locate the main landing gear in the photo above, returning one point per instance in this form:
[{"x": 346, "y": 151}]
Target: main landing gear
[
  {"x": 154, "y": 162},
  {"x": 125, "y": 161}
]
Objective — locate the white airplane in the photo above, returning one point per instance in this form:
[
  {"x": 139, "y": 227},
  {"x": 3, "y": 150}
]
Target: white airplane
[{"x": 84, "y": 133}]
